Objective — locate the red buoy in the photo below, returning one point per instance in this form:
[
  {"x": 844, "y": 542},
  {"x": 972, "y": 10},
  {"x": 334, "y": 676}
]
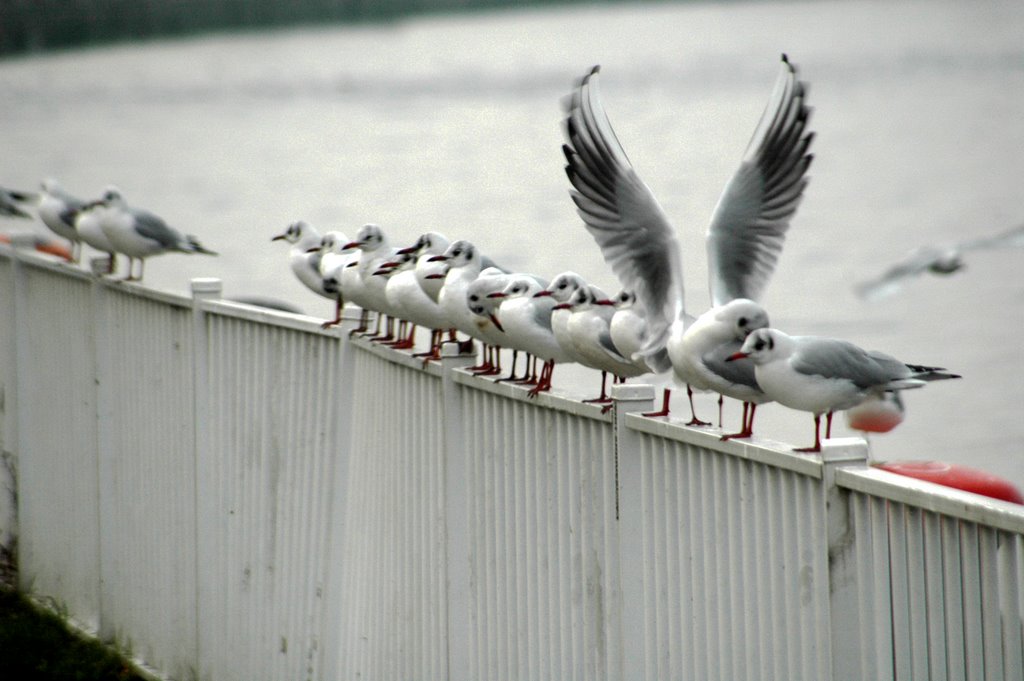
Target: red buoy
[{"x": 959, "y": 477}]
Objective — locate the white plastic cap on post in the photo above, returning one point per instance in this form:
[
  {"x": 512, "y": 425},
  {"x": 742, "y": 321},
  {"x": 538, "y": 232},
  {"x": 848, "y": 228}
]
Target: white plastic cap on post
[{"x": 206, "y": 287}]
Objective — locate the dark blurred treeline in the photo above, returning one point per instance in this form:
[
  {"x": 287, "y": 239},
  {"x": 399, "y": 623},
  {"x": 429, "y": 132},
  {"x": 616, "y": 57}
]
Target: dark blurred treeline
[{"x": 35, "y": 25}]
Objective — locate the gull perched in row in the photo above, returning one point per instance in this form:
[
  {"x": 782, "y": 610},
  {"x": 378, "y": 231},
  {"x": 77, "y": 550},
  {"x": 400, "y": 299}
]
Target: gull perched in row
[
  {"x": 410, "y": 301},
  {"x": 465, "y": 263},
  {"x": 139, "y": 234},
  {"x": 526, "y": 319},
  {"x": 940, "y": 260},
  {"x": 58, "y": 211},
  {"x": 825, "y": 375},
  {"x": 359, "y": 285},
  {"x": 333, "y": 260},
  {"x": 590, "y": 333},
  {"x": 744, "y": 239},
  {"x": 304, "y": 256},
  {"x": 88, "y": 223}
]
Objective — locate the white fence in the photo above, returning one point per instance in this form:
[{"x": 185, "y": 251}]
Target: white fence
[{"x": 237, "y": 494}]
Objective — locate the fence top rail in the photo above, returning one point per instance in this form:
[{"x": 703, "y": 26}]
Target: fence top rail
[
  {"x": 265, "y": 315},
  {"x": 520, "y": 393},
  {"x": 929, "y": 496},
  {"x": 49, "y": 263},
  {"x": 759, "y": 450}
]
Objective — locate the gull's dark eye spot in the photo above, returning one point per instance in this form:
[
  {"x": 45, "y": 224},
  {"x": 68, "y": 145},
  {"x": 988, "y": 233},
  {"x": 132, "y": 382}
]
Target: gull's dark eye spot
[
  {"x": 743, "y": 321},
  {"x": 759, "y": 345},
  {"x": 771, "y": 343},
  {"x": 474, "y": 297}
]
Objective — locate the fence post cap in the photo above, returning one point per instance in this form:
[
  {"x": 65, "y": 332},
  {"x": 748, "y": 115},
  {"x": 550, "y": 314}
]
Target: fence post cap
[
  {"x": 844, "y": 449},
  {"x": 206, "y": 286},
  {"x": 626, "y": 392}
]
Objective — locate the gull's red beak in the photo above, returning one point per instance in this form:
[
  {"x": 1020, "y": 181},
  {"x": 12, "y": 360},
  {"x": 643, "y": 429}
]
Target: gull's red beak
[
  {"x": 437, "y": 258},
  {"x": 406, "y": 251},
  {"x": 494, "y": 320},
  {"x": 496, "y": 294},
  {"x": 279, "y": 237},
  {"x": 604, "y": 302},
  {"x": 542, "y": 294},
  {"x": 562, "y": 306},
  {"x": 350, "y": 244},
  {"x": 313, "y": 250},
  {"x": 434, "y": 276},
  {"x": 736, "y": 355}
]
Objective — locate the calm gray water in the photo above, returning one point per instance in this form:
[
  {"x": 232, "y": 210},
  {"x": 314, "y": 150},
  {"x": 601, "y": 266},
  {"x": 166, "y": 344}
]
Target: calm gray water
[{"x": 453, "y": 124}]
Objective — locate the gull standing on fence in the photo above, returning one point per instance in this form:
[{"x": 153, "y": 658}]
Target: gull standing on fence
[
  {"x": 58, "y": 210},
  {"x": 825, "y": 375},
  {"x": 590, "y": 331},
  {"x": 628, "y": 329},
  {"x": 430, "y": 278},
  {"x": 939, "y": 260},
  {"x": 526, "y": 318},
  {"x": 409, "y": 301},
  {"x": 744, "y": 239},
  {"x": 139, "y": 234},
  {"x": 465, "y": 263},
  {"x": 369, "y": 294},
  {"x": 304, "y": 256},
  {"x": 333, "y": 260},
  {"x": 88, "y": 221}
]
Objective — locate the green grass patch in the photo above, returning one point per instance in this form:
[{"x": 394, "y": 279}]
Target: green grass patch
[{"x": 37, "y": 646}]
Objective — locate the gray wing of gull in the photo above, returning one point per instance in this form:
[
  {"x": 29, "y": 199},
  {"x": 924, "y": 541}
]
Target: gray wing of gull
[
  {"x": 621, "y": 213},
  {"x": 740, "y": 373},
  {"x": 153, "y": 227},
  {"x": 542, "y": 316},
  {"x": 834, "y": 358},
  {"x": 753, "y": 214}
]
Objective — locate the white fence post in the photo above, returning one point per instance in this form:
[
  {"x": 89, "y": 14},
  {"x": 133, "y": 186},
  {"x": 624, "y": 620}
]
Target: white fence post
[
  {"x": 627, "y": 610},
  {"x": 459, "y": 603},
  {"x": 202, "y": 289},
  {"x": 846, "y": 648}
]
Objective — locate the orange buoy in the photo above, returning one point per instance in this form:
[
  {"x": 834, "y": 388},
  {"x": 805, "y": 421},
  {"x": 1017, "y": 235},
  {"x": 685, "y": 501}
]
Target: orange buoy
[
  {"x": 45, "y": 246},
  {"x": 959, "y": 477}
]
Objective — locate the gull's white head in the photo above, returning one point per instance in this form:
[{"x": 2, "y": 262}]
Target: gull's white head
[
  {"x": 112, "y": 196},
  {"x": 563, "y": 286},
  {"x": 460, "y": 253},
  {"x": 765, "y": 345},
  {"x": 739, "y": 317},
  {"x": 369, "y": 238}
]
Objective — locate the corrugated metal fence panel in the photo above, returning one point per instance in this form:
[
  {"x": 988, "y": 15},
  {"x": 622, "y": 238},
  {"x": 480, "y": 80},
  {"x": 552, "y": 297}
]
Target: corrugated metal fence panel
[
  {"x": 394, "y": 626},
  {"x": 58, "y": 486},
  {"x": 273, "y": 443},
  {"x": 8, "y": 415},
  {"x": 147, "y": 475},
  {"x": 735, "y": 581},
  {"x": 950, "y": 604},
  {"x": 543, "y": 538}
]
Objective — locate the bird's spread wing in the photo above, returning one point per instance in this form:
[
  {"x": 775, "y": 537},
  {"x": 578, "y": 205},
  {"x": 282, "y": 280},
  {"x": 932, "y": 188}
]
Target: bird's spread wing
[
  {"x": 890, "y": 281},
  {"x": 621, "y": 213},
  {"x": 749, "y": 224}
]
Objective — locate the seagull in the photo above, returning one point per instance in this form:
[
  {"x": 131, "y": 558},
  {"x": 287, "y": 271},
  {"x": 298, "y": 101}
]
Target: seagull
[
  {"x": 304, "y": 255},
  {"x": 526, "y": 318},
  {"x": 408, "y": 299},
  {"x": 333, "y": 259},
  {"x": 140, "y": 234},
  {"x": 370, "y": 293},
  {"x": 590, "y": 330},
  {"x": 57, "y": 210},
  {"x": 628, "y": 329},
  {"x": 940, "y": 260},
  {"x": 88, "y": 223},
  {"x": 465, "y": 263},
  {"x": 430, "y": 277},
  {"x": 561, "y": 290},
  {"x": 744, "y": 239},
  {"x": 825, "y": 375},
  {"x": 483, "y": 297},
  {"x": 10, "y": 200}
]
